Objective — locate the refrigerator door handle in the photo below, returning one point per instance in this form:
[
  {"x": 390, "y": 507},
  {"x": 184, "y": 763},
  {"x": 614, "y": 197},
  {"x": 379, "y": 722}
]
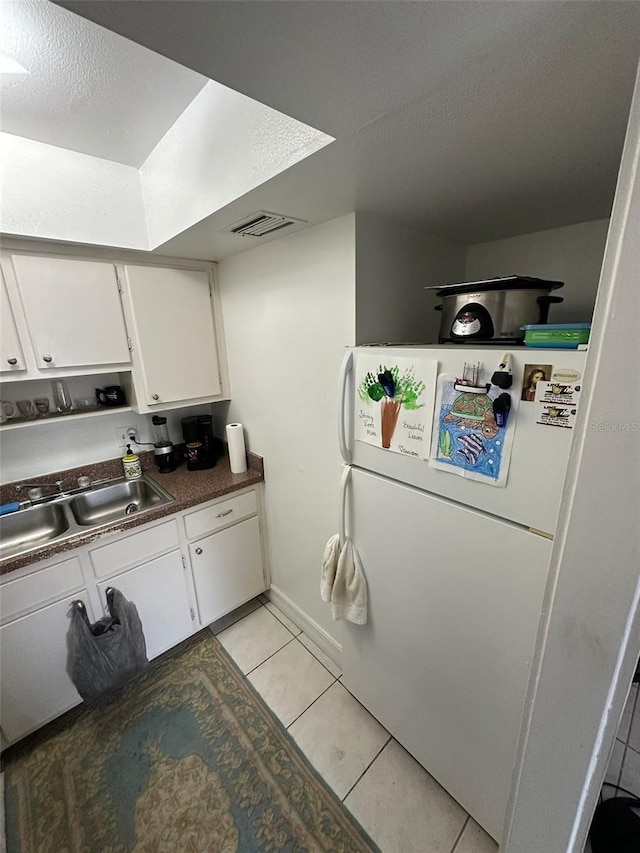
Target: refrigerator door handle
[
  {"x": 342, "y": 521},
  {"x": 343, "y": 441}
]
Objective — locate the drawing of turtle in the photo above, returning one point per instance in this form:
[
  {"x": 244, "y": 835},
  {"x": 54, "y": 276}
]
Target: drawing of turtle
[{"x": 473, "y": 411}]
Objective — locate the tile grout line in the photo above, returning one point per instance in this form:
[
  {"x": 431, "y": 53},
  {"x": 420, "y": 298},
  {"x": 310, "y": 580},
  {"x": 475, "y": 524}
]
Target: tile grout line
[
  {"x": 364, "y": 707},
  {"x": 297, "y": 637},
  {"x": 312, "y": 704},
  {"x": 626, "y": 743},
  {"x": 255, "y": 610},
  {"x": 464, "y": 826},
  {"x": 338, "y": 680},
  {"x": 337, "y": 677},
  {"x": 235, "y": 621},
  {"x": 275, "y": 616},
  {"x": 246, "y": 674},
  {"x": 384, "y": 745},
  {"x": 293, "y": 637}
]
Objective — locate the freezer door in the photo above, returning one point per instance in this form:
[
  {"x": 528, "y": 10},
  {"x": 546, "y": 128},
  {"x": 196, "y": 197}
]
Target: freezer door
[
  {"x": 539, "y": 454},
  {"x": 443, "y": 663}
]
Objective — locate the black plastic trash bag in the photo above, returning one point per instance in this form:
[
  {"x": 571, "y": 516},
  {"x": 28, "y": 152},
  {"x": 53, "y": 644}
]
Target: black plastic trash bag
[{"x": 109, "y": 652}]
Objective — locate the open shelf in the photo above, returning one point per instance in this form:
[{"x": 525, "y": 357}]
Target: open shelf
[{"x": 18, "y": 423}]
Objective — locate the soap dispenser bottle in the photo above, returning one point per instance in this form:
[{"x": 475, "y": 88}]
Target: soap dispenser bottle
[{"x": 131, "y": 465}]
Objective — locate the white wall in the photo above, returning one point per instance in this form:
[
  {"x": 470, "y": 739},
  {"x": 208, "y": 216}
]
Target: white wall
[
  {"x": 394, "y": 263},
  {"x": 572, "y": 254},
  {"x": 53, "y": 193},
  {"x": 289, "y": 311},
  {"x": 223, "y": 145}
]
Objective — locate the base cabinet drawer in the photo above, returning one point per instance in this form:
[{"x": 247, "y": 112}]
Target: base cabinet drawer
[
  {"x": 108, "y": 560},
  {"x": 227, "y": 569},
  {"x": 159, "y": 591},
  {"x": 221, "y": 514},
  {"x": 20, "y": 596},
  {"x": 35, "y": 686}
]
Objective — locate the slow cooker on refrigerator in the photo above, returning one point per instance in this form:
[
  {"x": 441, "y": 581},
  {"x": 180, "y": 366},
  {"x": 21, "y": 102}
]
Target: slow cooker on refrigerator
[{"x": 493, "y": 310}]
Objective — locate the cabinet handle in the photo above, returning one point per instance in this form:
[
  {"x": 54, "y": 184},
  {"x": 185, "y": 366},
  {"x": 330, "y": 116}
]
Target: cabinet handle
[
  {"x": 198, "y": 551},
  {"x": 47, "y": 358},
  {"x": 12, "y": 361},
  {"x": 155, "y": 396},
  {"x": 222, "y": 514}
]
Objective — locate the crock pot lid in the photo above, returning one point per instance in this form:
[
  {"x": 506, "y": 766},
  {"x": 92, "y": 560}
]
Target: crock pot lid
[{"x": 510, "y": 282}]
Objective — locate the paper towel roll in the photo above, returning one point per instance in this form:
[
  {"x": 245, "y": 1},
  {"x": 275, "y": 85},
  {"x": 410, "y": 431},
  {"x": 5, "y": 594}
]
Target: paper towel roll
[{"x": 237, "y": 452}]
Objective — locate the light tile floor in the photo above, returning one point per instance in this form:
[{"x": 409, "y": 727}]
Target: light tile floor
[{"x": 398, "y": 803}]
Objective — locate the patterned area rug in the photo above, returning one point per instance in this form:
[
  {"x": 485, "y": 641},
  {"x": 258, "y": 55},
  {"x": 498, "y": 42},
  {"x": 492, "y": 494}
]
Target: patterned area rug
[{"x": 187, "y": 759}]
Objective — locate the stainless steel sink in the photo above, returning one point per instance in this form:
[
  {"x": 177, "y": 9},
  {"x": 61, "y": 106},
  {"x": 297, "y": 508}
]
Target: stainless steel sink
[
  {"x": 62, "y": 517},
  {"x": 31, "y": 527},
  {"x": 115, "y": 502}
]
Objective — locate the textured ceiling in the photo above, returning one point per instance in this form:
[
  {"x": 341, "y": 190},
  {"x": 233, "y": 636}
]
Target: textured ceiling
[
  {"x": 88, "y": 89},
  {"x": 474, "y": 120},
  {"x": 334, "y": 64}
]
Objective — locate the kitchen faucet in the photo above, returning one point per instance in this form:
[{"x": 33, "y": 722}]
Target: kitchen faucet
[{"x": 35, "y": 489}]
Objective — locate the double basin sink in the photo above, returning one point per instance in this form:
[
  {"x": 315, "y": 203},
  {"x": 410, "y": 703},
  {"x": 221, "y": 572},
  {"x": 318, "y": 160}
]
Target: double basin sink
[{"x": 60, "y": 518}]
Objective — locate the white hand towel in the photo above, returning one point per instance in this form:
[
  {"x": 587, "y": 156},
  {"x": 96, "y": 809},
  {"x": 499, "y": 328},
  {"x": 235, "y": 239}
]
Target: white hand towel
[
  {"x": 329, "y": 566},
  {"x": 349, "y": 593}
]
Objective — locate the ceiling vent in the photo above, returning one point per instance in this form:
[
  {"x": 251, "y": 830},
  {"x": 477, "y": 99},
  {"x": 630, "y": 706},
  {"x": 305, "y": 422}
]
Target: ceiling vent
[{"x": 262, "y": 223}]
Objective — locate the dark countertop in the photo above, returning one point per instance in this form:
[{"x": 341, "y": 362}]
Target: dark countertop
[{"x": 188, "y": 488}]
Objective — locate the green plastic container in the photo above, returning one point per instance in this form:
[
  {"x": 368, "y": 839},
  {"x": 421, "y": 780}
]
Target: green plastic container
[{"x": 567, "y": 335}]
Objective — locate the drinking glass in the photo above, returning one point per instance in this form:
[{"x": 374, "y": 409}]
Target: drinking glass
[
  {"x": 25, "y": 407},
  {"x": 61, "y": 396},
  {"x": 7, "y": 410}
]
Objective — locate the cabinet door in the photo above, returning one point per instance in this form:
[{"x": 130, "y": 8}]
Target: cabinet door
[
  {"x": 227, "y": 569},
  {"x": 174, "y": 333},
  {"x": 11, "y": 356},
  {"x": 159, "y": 591},
  {"x": 34, "y": 683},
  {"x": 73, "y": 311}
]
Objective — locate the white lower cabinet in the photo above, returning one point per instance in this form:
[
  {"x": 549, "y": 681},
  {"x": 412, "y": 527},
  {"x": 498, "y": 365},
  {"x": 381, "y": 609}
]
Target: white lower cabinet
[
  {"x": 35, "y": 685},
  {"x": 227, "y": 569},
  {"x": 159, "y": 591},
  {"x": 150, "y": 566}
]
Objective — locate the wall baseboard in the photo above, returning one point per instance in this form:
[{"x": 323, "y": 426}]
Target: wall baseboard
[{"x": 311, "y": 628}]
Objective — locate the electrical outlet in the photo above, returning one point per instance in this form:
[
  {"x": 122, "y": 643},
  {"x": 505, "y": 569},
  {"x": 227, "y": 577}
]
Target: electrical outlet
[{"x": 126, "y": 435}]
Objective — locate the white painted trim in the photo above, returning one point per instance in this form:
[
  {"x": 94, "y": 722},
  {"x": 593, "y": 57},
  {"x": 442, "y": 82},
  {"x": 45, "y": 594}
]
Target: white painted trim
[
  {"x": 3, "y": 837},
  {"x": 589, "y": 638},
  {"x": 311, "y": 628},
  {"x": 79, "y": 251}
]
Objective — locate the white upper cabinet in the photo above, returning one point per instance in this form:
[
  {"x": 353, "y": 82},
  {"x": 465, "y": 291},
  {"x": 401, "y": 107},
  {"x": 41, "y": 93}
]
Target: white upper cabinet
[
  {"x": 73, "y": 311},
  {"x": 175, "y": 353},
  {"x": 11, "y": 355}
]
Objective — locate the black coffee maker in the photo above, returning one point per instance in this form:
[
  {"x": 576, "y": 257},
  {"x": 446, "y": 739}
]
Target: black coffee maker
[{"x": 197, "y": 431}]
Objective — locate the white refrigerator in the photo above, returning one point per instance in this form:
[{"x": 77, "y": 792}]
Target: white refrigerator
[{"x": 455, "y": 562}]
